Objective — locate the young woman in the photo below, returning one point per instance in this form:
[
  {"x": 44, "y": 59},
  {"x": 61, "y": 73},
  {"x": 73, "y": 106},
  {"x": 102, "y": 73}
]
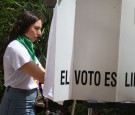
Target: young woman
[{"x": 22, "y": 70}]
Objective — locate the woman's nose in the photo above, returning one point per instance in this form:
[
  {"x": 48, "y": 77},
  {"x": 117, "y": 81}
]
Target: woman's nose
[{"x": 39, "y": 32}]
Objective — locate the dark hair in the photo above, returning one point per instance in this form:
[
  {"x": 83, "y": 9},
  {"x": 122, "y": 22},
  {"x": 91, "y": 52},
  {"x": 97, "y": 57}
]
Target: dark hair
[{"x": 23, "y": 22}]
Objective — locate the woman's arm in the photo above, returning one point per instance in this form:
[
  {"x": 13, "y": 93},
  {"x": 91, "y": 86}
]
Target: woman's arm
[{"x": 33, "y": 70}]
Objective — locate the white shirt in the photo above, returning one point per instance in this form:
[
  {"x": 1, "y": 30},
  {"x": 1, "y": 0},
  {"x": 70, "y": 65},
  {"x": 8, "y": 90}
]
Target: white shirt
[{"x": 16, "y": 55}]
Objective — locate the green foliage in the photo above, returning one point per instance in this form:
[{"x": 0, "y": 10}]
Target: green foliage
[
  {"x": 2, "y": 88},
  {"x": 9, "y": 10},
  {"x": 113, "y": 111},
  {"x": 80, "y": 108}
]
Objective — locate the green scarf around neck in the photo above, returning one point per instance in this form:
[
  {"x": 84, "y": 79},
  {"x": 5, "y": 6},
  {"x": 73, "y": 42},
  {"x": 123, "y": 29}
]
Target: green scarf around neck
[{"x": 28, "y": 45}]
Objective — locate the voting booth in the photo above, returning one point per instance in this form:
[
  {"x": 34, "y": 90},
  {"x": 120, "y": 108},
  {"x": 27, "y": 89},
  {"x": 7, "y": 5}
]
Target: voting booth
[{"x": 91, "y": 51}]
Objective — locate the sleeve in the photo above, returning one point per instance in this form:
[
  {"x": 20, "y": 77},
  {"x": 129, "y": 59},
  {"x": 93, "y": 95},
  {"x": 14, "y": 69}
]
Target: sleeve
[{"x": 19, "y": 56}]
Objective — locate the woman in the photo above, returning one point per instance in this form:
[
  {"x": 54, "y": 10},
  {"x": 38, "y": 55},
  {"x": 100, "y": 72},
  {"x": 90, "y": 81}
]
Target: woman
[{"x": 22, "y": 70}]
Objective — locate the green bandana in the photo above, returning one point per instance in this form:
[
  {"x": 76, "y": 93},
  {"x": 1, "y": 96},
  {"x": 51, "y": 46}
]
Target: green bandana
[{"x": 28, "y": 45}]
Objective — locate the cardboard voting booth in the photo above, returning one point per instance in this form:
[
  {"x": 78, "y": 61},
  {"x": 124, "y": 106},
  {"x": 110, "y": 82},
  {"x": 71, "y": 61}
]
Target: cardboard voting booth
[{"x": 91, "y": 51}]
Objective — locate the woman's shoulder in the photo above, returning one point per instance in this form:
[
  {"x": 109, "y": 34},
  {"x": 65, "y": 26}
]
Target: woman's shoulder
[
  {"x": 16, "y": 46},
  {"x": 14, "y": 43}
]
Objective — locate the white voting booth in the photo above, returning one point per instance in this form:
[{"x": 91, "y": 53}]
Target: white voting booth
[{"x": 91, "y": 51}]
